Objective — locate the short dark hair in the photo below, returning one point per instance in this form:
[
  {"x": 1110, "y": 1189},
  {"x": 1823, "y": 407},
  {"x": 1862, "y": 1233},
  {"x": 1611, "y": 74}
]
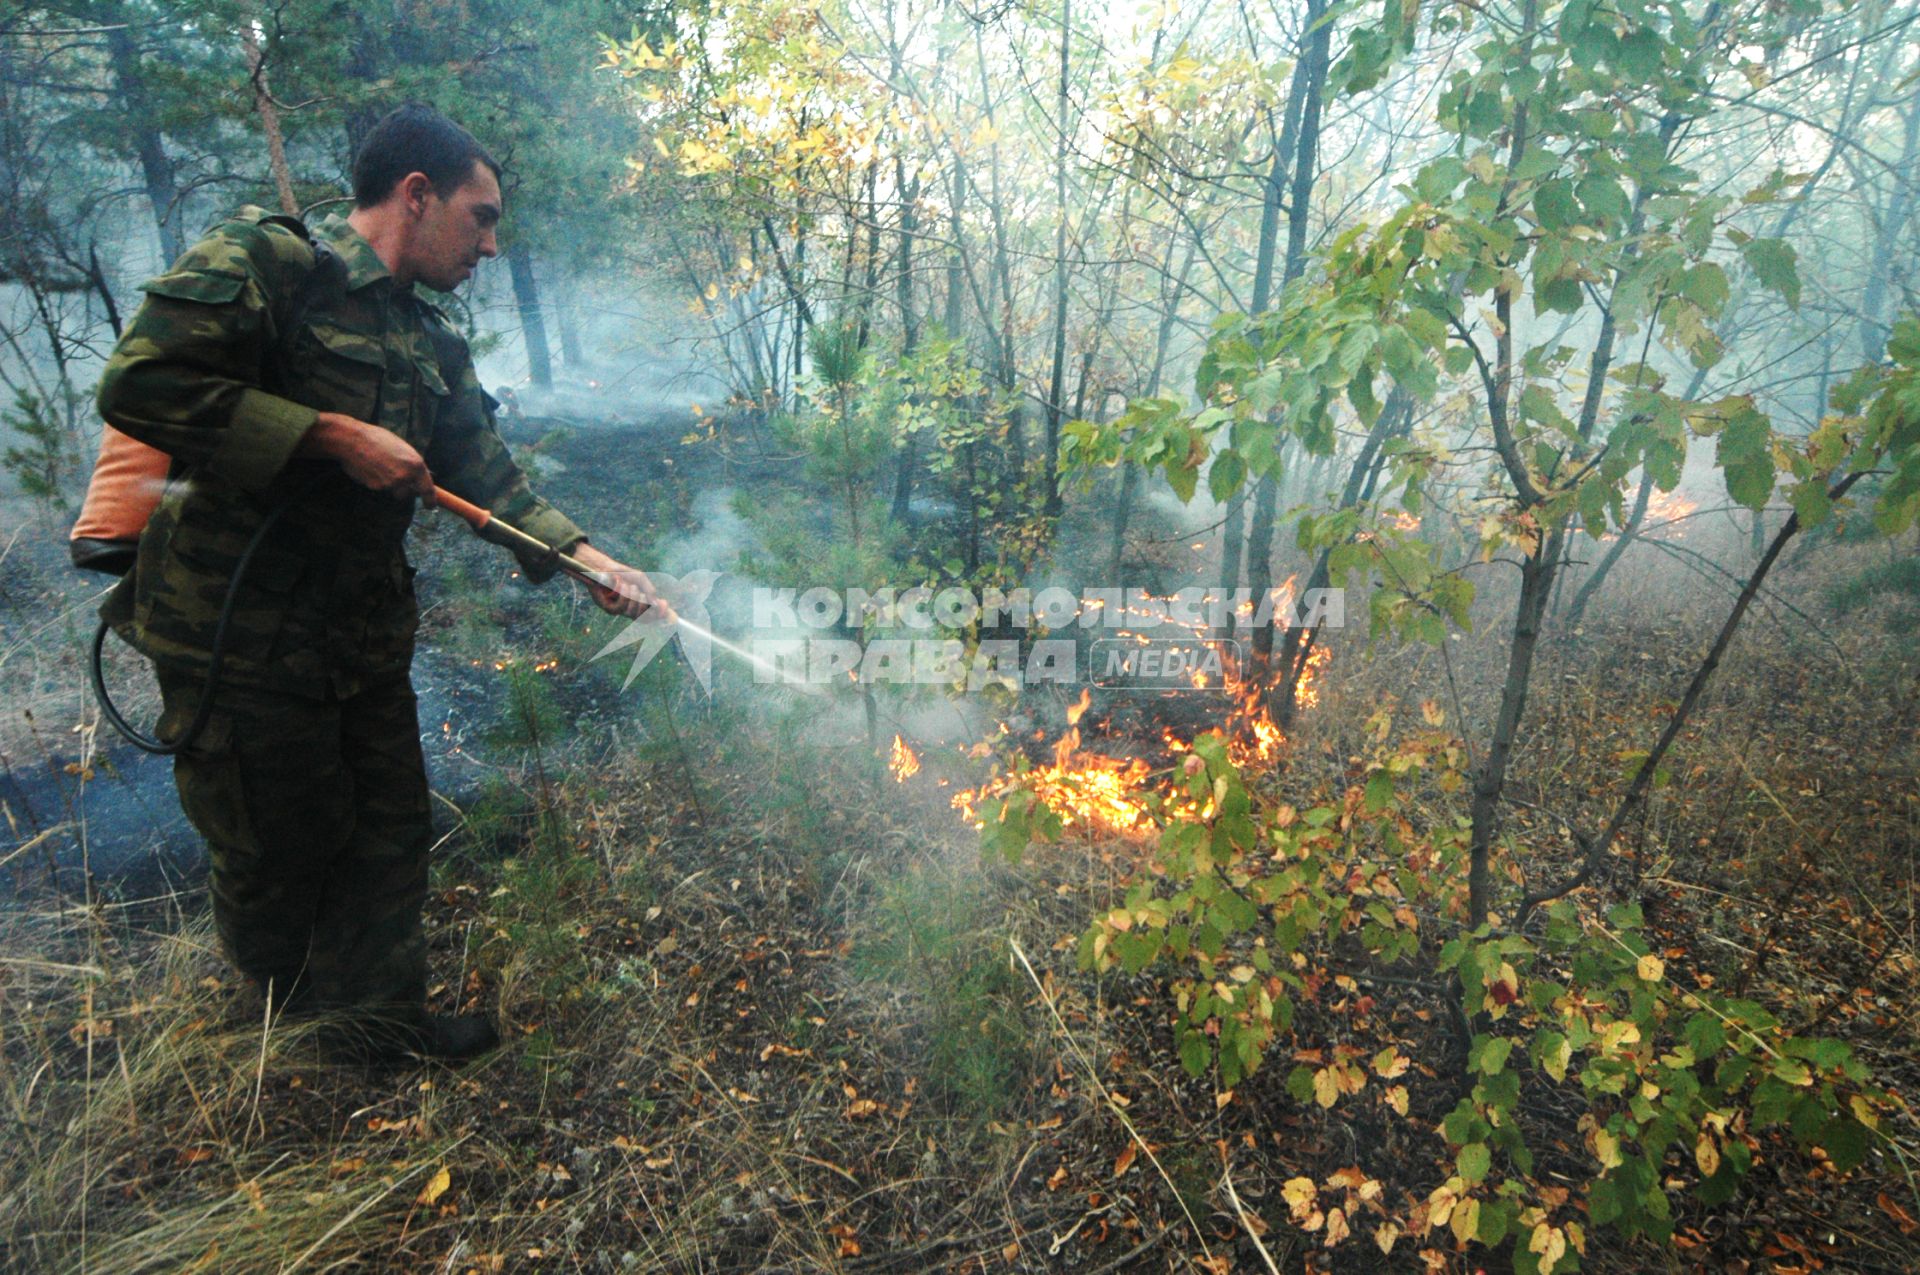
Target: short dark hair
[{"x": 415, "y": 139}]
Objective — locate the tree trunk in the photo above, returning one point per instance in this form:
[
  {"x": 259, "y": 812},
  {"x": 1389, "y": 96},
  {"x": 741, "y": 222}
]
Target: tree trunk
[
  {"x": 1598, "y": 576},
  {"x": 533, "y": 328},
  {"x": 1873, "y": 329},
  {"x": 1007, "y": 373},
  {"x": 1056, "y": 382},
  {"x": 269, "y": 113},
  {"x": 567, "y": 320},
  {"x": 1395, "y": 419},
  {"x": 1489, "y": 780},
  {"x": 156, "y": 168},
  {"x": 909, "y": 331},
  {"x": 1163, "y": 341},
  {"x": 1300, "y": 151}
]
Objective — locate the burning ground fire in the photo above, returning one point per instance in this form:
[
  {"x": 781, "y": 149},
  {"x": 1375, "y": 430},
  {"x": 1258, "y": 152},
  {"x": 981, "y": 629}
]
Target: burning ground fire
[
  {"x": 1666, "y": 509},
  {"x": 904, "y": 763},
  {"x": 1094, "y": 791}
]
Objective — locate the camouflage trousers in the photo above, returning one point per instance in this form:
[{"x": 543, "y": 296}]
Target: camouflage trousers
[{"x": 316, "y": 818}]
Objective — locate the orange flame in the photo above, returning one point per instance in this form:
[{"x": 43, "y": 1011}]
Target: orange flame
[
  {"x": 1668, "y": 507},
  {"x": 1099, "y": 793},
  {"x": 903, "y": 762}
]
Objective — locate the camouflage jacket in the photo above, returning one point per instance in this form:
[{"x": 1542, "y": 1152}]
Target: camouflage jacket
[{"x": 205, "y": 373}]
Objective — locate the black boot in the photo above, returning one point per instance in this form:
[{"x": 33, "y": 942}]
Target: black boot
[
  {"x": 446, "y": 1038},
  {"x": 457, "y": 1037}
]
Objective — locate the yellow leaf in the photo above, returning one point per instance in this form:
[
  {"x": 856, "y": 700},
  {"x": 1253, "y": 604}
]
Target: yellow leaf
[
  {"x": 436, "y": 1187},
  {"x": 1326, "y": 1087},
  {"x": 1337, "y": 1228},
  {"x": 1299, "y": 1194},
  {"x": 1550, "y": 1243},
  {"x": 1386, "y": 1235},
  {"x": 1616, "y": 1034},
  {"x": 1397, "y": 1099},
  {"x": 1607, "y": 1148},
  {"x": 1466, "y": 1220},
  {"x": 1432, "y": 713},
  {"x": 1650, "y": 968},
  {"x": 1706, "y": 1154}
]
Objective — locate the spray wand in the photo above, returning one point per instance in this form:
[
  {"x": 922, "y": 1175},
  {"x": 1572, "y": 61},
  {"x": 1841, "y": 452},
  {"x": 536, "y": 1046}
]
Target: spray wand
[{"x": 496, "y": 531}]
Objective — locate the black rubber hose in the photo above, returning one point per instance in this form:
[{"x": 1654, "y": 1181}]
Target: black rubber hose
[{"x": 148, "y": 743}]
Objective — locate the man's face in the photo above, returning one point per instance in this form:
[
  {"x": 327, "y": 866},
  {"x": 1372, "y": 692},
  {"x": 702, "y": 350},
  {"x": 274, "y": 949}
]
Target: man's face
[{"x": 455, "y": 230}]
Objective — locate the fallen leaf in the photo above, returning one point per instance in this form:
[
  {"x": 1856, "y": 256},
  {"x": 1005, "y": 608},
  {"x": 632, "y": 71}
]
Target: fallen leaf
[
  {"x": 1124, "y": 1160},
  {"x": 849, "y": 1246},
  {"x": 1386, "y": 1235},
  {"x": 436, "y": 1187},
  {"x": 1902, "y": 1218},
  {"x": 1300, "y": 1194}
]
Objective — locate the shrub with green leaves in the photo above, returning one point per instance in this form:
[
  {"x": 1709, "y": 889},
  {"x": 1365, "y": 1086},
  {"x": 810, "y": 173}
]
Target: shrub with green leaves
[{"x": 1249, "y": 906}]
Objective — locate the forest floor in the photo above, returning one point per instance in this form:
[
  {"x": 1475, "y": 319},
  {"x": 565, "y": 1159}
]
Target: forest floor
[{"x": 767, "y": 1008}]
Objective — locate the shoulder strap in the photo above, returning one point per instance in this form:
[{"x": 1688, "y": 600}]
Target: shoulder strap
[
  {"x": 326, "y": 274},
  {"x": 319, "y": 268}
]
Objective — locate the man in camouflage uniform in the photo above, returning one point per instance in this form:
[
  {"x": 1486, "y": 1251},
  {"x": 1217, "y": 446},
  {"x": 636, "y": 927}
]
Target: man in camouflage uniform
[{"x": 303, "y": 375}]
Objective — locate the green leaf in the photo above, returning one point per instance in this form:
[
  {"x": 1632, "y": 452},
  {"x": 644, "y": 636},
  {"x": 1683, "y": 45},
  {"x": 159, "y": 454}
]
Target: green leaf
[
  {"x": 1811, "y": 502},
  {"x": 1563, "y": 295},
  {"x": 1706, "y": 286},
  {"x": 1705, "y": 1035},
  {"x": 1639, "y": 55},
  {"x": 1775, "y": 264},
  {"x": 1226, "y": 474},
  {"x": 1845, "y": 1140},
  {"x": 1603, "y": 197},
  {"x": 1473, "y": 1161},
  {"x": 1488, "y": 1054},
  {"x": 1746, "y": 459},
  {"x": 1554, "y": 206},
  {"x": 1496, "y": 1219},
  {"x": 1182, "y": 477}
]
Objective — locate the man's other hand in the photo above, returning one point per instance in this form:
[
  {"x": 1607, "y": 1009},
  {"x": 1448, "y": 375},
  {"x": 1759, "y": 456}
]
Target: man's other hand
[
  {"x": 375, "y": 458},
  {"x": 632, "y": 594}
]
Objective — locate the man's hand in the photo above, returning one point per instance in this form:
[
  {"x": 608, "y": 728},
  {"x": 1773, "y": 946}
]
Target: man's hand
[
  {"x": 633, "y": 595},
  {"x": 375, "y": 458}
]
